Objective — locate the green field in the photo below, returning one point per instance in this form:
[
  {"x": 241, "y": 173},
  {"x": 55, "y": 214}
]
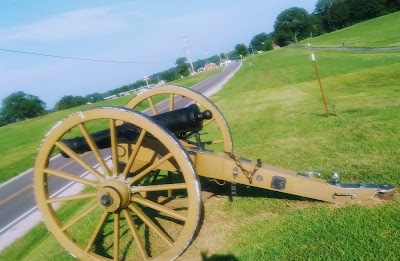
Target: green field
[
  {"x": 274, "y": 108},
  {"x": 19, "y": 141}
]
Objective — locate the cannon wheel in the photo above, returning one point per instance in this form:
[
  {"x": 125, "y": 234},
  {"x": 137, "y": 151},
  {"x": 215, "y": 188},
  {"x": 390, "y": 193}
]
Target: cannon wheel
[
  {"x": 216, "y": 130},
  {"x": 109, "y": 218}
]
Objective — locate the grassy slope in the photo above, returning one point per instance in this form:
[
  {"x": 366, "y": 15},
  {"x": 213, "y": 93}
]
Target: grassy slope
[
  {"x": 277, "y": 105},
  {"x": 275, "y": 113},
  {"x": 19, "y": 141},
  {"x": 382, "y": 31}
]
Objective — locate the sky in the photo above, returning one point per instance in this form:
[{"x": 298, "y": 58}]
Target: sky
[{"x": 148, "y": 35}]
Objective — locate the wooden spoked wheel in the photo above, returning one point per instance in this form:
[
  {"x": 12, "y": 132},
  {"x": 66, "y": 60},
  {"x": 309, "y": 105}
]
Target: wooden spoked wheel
[
  {"x": 215, "y": 135},
  {"x": 110, "y": 213}
]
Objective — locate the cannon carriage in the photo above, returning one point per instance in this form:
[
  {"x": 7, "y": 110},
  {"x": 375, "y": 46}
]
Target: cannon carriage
[{"x": 140, "y": 197}]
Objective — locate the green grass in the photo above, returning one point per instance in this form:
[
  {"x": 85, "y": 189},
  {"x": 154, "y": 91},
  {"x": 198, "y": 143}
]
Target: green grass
[
  {"x": 19, "y": 141},
  {"x": 280, "y": 106},
  {"x": 276, "y": 113},
  {"x": 294, "y": 230},
  {"x": 381, "y": 31},
  {"x": 192, "y": 80},
  {"x": 274, "y": 108}
]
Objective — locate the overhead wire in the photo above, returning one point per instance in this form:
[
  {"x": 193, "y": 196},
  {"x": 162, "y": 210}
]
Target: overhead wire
[{"x": 83, "y": 59}]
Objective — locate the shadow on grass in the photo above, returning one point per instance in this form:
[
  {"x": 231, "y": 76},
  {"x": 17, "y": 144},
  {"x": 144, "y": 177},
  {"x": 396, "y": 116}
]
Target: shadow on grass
[
  {"x": 229, "y": 257},
  {"x": 248, "y": 191}
]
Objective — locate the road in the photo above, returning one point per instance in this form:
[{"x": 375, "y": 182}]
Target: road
[{"x": 17, "y": 200}]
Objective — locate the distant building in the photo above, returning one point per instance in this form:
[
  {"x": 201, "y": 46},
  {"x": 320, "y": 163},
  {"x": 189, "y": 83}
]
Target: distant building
[
  {"x": 110, "y": 97},
  {"x": 275, "y": 47},
  {"x": 210, "y": 67}
]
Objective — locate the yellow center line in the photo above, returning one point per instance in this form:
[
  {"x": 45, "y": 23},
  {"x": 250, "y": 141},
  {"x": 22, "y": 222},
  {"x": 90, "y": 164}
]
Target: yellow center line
[
  {"x": 29, "y": 186},
  {"x": 15, "y": 194}
]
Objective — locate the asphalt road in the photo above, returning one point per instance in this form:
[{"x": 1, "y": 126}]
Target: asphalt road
[{"x": 17, "y": 200}]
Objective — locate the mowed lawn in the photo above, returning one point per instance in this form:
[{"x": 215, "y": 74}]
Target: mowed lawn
[{"x": 275, "y": 111}]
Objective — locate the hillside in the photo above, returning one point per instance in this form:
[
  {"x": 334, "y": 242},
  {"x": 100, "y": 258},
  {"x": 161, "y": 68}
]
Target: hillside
[{"x": 378, "y": 32}]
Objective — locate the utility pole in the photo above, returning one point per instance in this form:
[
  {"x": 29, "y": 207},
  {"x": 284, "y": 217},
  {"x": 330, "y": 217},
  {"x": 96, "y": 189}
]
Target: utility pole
[
  {"x": 147, "y": 83},
  {"x": 188, "y": 53}
]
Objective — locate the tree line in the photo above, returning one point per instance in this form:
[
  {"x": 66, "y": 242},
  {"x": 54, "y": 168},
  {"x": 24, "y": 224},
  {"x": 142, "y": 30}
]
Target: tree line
[{"x": 291, "y": 25}]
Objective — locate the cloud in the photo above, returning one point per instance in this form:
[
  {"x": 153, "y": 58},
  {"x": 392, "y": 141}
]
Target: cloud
[{"x": 74, "y": 24}]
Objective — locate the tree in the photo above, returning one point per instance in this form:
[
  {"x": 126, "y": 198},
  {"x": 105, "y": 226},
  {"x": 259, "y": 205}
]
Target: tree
[
  {"x": 339, "y": 14},
  {"x": 241, "y": 50},
  {"x": 334, "y": 14},
  {"x": 182, "y": 68},
  {"x": 94, "y": 97},
  {"x": 169, "y": 75},
  {"x": 323, "y": 7},
  {"x": 69, "y": 101},
  {"x": 262, "y": 42},
  {"x": 317, "y": 27},
  {"x": 361, "y": 10},
  {"x": 292, "y": 24},
  {"x": 20, "y": 106},
  {"x": 3, "y": 121}
]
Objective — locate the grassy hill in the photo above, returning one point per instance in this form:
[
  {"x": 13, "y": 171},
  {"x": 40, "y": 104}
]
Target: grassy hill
[
  {"x": 275, "y": 112},
  {"x": 378, "y": 32}
]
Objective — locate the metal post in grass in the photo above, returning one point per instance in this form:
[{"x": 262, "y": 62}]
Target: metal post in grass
[{"x": 320, "y": 83}]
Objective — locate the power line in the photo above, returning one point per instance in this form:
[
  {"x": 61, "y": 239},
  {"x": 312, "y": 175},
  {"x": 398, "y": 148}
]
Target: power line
[{"x": 78, "y": 58}]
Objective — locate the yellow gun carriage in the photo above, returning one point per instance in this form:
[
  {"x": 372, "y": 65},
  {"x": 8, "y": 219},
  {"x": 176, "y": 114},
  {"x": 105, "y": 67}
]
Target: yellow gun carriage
[{"x": 139, "y": 196}]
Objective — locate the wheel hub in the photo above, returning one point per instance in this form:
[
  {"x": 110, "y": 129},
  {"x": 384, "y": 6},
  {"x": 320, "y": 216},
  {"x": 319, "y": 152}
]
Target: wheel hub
[{"x": 113, "y": 195}]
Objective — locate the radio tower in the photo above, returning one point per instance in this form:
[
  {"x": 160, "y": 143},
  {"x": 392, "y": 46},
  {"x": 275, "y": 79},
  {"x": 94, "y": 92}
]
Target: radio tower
[{"x": 188, "y": 53}]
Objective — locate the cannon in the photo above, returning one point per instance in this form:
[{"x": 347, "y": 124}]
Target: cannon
[{"x": 139, "y": 196}]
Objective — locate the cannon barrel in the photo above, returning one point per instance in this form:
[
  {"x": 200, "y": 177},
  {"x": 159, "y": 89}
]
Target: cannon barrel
[{"x": 178, "y": 121}]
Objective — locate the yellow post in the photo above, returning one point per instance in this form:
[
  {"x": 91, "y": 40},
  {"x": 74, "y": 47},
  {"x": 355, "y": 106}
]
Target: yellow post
[{"x": 320, "y": 83}]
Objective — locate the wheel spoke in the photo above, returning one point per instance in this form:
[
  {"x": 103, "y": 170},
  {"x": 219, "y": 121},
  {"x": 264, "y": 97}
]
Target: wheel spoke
[
  {"x": 116, "y": 235},
  {"x": 78, "y": 159},
  {"x": 114, "y": 151},
  {"x": 147, "y": 170},
  {"x": 153, "y": 107},
  {"x": 208, "y": 122},
  {"x": 217, "y": 141},
  {"x": 94, "y": 148},
  {"x": 68, "y": 198},
  {"x": 68, "y": 176},
  {"x": 136, "y": 209},
  {"x": 96, "y": 231},
  {"x": 136, "y": 236},
  {"x": 134, "y": 154},
  {"x": 158, "y": 187},
  {"x": 169, "y": 212},
  {"x": 171, "y": 102},
  {"x": 79, "y": 217},
  {"x": 169, "y": 181}
]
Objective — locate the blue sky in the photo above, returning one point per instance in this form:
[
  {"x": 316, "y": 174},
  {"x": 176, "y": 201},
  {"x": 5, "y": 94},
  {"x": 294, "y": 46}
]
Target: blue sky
[{"x": 134, "y": 31}]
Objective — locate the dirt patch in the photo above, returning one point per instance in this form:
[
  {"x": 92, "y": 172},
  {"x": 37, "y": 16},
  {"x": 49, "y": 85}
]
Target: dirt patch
[{"x": 212, "y": 236}]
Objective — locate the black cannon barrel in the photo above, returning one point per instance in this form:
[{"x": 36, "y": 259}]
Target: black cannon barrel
[{"x": 178, "y": 121}]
